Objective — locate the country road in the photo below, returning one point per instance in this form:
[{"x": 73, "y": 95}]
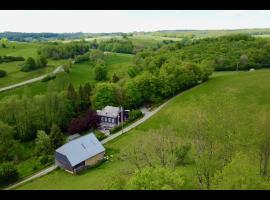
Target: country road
[
  {"x": 147, "y": 115},
  {"x": 57, "y": 70},
  {"x": 39, "y": 174}
]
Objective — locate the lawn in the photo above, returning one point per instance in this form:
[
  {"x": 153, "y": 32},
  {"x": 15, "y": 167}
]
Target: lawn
[
  {"x": 251, "y": 90},
  {"x": 80, "y": 73}
]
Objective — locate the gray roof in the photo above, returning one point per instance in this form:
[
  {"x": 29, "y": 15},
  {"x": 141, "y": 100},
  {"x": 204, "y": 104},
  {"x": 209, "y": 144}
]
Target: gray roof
[
  {"x": 109, "y": 111},
  {"x": 81, "y": 149}
]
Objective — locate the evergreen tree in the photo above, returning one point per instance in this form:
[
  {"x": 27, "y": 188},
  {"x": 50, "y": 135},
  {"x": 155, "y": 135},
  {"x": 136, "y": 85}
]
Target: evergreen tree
[{"x": 56, "y": 137}]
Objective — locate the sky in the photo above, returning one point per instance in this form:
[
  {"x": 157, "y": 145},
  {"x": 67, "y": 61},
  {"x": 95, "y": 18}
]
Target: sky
[{"x": 95, "y": 21}]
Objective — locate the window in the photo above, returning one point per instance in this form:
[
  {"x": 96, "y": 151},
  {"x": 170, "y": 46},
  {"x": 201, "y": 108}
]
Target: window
[
  {"x": 102, "y": 119},
  {"x": 112, "y": 120},
  {"x": 109, "y": 119},
  {"x": 105, "y": 119}
]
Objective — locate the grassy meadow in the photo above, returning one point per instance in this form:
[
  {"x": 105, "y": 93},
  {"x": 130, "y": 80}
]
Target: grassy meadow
[
  {"x": 250, "y": 89},
  {"x": 80, "y": 73},
  {"x": 14, "y": 75}
]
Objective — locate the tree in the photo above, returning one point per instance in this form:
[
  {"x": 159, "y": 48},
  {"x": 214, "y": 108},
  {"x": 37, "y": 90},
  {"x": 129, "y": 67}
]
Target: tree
[
  {"x": 213, "y": 135},
  {"x": 4, "y": 42},
  {"x": 56, "y": 137},
  {"x": 2, "y": 73},
  {"x": 239, "y": 174},
  {"x": 30, "y": 64},
  {"x": 8, "y": 173},
  {"x": 105, "y": 94},
  {"x": 157, "y": 178},
  {"x": 85, "y": 122},
  {"x": 43, "y": 143},
  {"x": 72, "y": 96},
  {"x": 7, "y": 143},
  {"x": 100, "y": 72},
  {"x": 157, "y": 148}
]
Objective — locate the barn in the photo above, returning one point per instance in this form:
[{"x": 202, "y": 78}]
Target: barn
[{"x": 80, "y": 153}]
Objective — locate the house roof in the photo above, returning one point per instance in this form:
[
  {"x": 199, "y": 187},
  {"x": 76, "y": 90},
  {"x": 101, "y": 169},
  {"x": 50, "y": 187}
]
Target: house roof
[
  {"x": 109, "y": 111},
  {"x": 81, "y": 149}
]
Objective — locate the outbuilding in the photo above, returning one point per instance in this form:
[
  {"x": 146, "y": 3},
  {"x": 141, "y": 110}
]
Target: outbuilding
[{"x": 80, "y": 153}]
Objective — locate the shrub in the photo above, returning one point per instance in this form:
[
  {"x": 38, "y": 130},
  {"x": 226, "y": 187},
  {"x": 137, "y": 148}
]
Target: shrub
[
  {"x": 8, "y": 173},
  {"x": 134, "y": 114},
  {"x": 2, "y": 73},
  {"x": 48, "y": 77},
  {"x": 44, "y": 159},
  {"x": 100, "y": 136}
]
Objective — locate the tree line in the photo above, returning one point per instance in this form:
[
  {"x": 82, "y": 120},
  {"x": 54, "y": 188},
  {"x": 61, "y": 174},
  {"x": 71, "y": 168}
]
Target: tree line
[{"x": 232, "y": 52}]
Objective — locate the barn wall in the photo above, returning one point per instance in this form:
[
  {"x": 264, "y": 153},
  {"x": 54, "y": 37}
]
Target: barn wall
[
  {"x": 62, "y": 161},
  {"x": 95, "y": 159}
]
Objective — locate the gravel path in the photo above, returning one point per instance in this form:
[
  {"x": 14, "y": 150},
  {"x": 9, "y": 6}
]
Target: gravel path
[
  {"x": 39, "y": 174},
  {"x": 57, "y": 70}
]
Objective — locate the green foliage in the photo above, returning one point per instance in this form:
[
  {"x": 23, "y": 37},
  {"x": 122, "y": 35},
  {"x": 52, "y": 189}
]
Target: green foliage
[
  {"x": 63, "y": 50},
  {"x": 56, "y": 137},
  {"x": 134, "y": 114},
  {"x": 82, "y": 58},
  {"x": 8, "y": 173},
  {"x": 6, "y": 59},
  {"x": 48, "y": 78},
  {"x": 239, "y": 174},
  {"x": 29, "y": 114},
  {"x": 115, "y": 78},
  {"x": 100, "y": 136},
  {"x": 32, "y": 64},
  {"x": 105, "y": 94},
  {"x": 43, "y": 143},
  {"x": 101, "y": 72},
  {"x": 7, "y": 143},
  {"x": 115, "y": 45},
  {"x": 2, "y": 73},
  {"x": 155, "y": 179}
]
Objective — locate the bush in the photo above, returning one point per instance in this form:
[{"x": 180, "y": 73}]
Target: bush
[
  {"x": 11, "y": 58},
  {"x": 100, "y": 136},
  {"x": 134, "y": 114},
  {"x": 48, "y": 77},
  {"x": 8, "y": 173},
  {"x": 44, "y": 159},
  {"x": 2, "y": 73},
  {"x": 82, "y": 58}
]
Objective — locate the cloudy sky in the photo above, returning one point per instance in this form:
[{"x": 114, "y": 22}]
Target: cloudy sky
[{"x": 93, "y": 21}]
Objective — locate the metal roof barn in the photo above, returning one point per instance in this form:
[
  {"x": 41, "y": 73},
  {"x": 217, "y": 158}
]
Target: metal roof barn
[{"x": 81, "y": 149}]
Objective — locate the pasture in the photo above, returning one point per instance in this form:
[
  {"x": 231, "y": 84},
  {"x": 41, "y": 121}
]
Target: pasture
[
  {"x": 250, "y": 89},
  {"x": 80, "y": 73}
]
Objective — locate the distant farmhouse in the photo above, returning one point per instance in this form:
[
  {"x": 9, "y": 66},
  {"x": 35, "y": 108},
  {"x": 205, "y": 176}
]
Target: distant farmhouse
[
  {"x": 80, "y": 153},
  {"x": 111, "y": 116}
]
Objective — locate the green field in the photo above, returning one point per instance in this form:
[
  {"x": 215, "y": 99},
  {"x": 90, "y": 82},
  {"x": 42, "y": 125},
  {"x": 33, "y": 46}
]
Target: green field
[
  {"x": 14, "y": 75},
  {"x": 80, "y": 73},
  {"x": 250, "y": 89}
]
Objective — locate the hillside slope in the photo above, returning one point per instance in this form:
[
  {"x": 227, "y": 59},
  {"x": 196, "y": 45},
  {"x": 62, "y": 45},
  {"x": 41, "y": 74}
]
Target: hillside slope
[{"x": 249, "y": 89}]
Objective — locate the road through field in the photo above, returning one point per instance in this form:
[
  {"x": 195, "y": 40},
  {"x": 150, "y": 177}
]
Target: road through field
[{"x": 57, "y": 70}]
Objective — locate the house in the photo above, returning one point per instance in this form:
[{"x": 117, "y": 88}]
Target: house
[
  {"x": 111, "y": 116},
  {"x": 80, "y": 153}
]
